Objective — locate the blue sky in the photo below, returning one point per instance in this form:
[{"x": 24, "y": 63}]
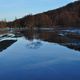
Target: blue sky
[{"x": 9, "y": 9}]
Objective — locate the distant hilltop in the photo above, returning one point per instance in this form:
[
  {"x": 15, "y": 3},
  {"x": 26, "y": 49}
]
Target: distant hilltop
[{"x": 66, "y": 16}]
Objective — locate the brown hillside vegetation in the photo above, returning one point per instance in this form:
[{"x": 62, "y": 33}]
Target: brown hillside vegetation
[{"x": 66, "y": 16}]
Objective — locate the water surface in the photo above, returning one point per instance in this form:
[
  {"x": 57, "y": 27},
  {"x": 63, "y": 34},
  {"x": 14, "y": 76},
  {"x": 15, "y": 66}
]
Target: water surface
[{"x": 38, "y": 59}]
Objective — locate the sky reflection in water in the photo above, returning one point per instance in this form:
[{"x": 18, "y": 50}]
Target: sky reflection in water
[{"x": 49, "y": 61}]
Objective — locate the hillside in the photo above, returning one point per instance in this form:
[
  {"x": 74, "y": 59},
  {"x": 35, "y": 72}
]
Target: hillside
[{"x": 66, "y": 16}]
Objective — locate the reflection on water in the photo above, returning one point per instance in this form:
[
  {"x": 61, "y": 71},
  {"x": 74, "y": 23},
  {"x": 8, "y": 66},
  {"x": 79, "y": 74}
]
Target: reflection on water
[
  {"x": 6, "y": 40},
  {"x": 68, "y": 38},
  {"x": 5, "y": 44},
  {"x": 34, "y": 44},
  {"x": 38, "y": 56}
]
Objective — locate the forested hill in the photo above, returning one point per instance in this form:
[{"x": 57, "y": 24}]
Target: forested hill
[{"x": 68, "y": 15}]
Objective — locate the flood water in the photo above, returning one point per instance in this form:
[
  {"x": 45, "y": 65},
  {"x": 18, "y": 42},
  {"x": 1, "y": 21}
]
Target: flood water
[{"x": 38, "y": 57}]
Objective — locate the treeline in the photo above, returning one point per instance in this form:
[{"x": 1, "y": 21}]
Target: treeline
[
  {"x": 67, "y": 16},
  {"x": 3, "y": 24},
  {"x": 38, "y": 21}
]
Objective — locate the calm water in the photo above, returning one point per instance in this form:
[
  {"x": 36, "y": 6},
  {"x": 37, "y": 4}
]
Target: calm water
[{"x": 36, "y": 59}]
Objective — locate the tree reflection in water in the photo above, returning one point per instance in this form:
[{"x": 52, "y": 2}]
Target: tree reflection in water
[
  {"x": 5, "y": 44},
  {"x": 57, "y": 36}
]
